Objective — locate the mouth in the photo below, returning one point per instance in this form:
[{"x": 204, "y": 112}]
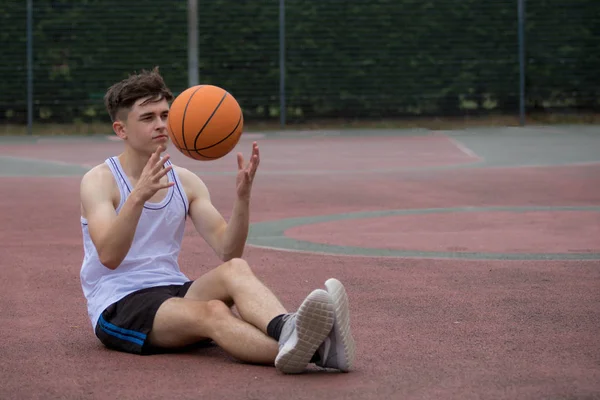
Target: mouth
[{"x": 160, "y": 137}]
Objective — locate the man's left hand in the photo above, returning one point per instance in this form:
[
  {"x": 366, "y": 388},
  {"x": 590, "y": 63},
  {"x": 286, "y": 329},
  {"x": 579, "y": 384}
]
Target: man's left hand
[{"x": 245, "y": 175}]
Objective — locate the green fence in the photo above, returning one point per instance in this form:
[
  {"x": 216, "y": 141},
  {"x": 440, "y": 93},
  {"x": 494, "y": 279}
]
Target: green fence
[{"x": 364, "y": 59}]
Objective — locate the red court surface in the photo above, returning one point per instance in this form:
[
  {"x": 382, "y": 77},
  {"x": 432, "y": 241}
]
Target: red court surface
[
  {"x": 426, "y": 328},
  {"x": 319, "y": 153},
  {"x": 494, "y": 232}
]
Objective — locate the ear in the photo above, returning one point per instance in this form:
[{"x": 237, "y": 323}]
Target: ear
[{"x": 120, "y": 129}]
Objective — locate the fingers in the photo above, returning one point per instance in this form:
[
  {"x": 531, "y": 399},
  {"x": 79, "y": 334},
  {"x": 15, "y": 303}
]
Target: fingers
[
  {"x": 156, "y": 179},
  {"x": 160, "y": 163},
  {"x": 255, "y": 160},
  {"x": 160, "y": 149},
  {"x": 255, "y": 151},
  {"x": 155, "y": 162},
  {"x": 163, "y": 172},
  {"x": 240, "y": 160},
  {"x": 156, "y": 155},
  {"x": 252, "y": 165},
  {"x": 158, "y": 169}
]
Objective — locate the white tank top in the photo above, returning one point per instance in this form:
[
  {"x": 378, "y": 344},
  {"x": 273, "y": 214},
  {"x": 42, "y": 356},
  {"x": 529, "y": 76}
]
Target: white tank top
[{"x": 152, "y": 259}]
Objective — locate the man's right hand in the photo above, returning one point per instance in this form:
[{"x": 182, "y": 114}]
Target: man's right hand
[{"x": 150, "y": 180}]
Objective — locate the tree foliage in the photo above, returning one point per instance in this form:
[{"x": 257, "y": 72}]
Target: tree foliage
[{"x": 353, "y": 58}]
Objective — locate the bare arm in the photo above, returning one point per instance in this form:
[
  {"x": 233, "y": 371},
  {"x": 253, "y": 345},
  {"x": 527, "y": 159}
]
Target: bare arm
[
  {"x": 112, "y": 234},
  {"x": 226, "y": 239},
  {"x": 234, "y": 238}
]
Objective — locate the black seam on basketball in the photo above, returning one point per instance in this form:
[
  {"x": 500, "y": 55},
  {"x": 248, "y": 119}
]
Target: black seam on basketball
[
  {"x": 183, "y": 118},
  {"x": 175, "y": 142},
  {"x": 225, "y": 138},
  {"x": 202, "y": 155},
  {"x": 208, "y": 120}
]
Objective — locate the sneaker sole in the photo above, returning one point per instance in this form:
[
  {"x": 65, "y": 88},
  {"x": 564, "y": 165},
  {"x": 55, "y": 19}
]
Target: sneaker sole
[
  {"x": 314, "y": 322},
  {"x": 346, "y": 346}
]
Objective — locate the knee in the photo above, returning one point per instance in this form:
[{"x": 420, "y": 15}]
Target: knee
[
  {"x": 237, "y": 267},
  {"x": 216, "y": 310},
  {"x": 216, "y": 318}
]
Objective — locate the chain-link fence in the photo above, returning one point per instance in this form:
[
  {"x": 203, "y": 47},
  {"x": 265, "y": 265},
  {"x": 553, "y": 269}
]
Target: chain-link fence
[{"x": 370, "y": 59}]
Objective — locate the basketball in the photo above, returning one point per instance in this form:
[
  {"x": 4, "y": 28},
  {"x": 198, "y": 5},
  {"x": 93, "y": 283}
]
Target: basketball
[{"x": 205, "y": 122}]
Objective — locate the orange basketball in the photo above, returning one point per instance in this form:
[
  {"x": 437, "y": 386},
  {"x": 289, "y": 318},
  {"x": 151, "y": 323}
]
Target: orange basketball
[{"x": 205, "y": 122}]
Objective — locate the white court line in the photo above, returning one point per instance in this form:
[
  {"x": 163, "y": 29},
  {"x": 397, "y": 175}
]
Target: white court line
[
  {"x": 42, "y": 161},
  {"x": 460, "y": 146},
  {"x": 243, "y": 136}
]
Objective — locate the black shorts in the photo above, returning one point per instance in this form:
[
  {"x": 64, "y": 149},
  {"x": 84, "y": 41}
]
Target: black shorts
[{"x": 125, "y": 325}]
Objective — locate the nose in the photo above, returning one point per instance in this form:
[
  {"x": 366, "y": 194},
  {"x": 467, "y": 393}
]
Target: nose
[{"x": 161, "y": 124}]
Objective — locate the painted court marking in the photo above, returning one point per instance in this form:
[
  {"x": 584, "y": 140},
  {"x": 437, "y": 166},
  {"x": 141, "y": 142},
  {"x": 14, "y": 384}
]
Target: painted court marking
[
  {"x": 497, "y": 148},
  {"x": 11, "y": 166},
  {"x": 271, "y": 235},
  {"x": 461, "y": 146}
]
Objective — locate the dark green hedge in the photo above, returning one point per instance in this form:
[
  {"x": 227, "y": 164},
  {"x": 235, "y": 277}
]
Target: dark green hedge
[{"x": 351, "y": 59}]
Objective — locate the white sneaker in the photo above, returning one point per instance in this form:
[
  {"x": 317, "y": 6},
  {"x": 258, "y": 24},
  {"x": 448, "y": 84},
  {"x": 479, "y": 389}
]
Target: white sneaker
[
  {"x": 304, "y": 331},
  {"x": 338, "y": 349}
]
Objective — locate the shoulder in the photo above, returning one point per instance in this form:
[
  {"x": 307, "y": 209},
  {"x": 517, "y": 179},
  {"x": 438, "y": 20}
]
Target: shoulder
[
  {"x": 98, "y": 185},
  {"x": 192, "y": 184},
  {"x": 98, "y": 176}
]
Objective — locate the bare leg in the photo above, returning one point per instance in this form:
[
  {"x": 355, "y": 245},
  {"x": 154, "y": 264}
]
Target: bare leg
[
  {"x": 181, "y": 322},
  {"x": 205, "y": 313},
  {"x": 234, "y": 283}
]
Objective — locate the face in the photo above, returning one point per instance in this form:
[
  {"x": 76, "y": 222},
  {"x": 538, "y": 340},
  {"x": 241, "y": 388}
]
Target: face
[{"x": 144, "y": 128}]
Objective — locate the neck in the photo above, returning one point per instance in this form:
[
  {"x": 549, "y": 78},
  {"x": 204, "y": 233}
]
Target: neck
[{"x": 133, "y": 162}]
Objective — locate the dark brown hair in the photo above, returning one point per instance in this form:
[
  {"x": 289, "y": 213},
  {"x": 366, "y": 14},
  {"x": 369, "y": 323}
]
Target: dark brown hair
[{"x": 123, "y": 95}]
